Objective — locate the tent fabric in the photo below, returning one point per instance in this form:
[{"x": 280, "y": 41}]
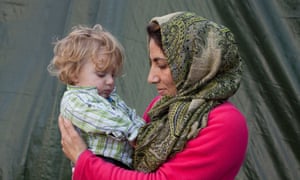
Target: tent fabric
[{"x": 267, "y": 33}]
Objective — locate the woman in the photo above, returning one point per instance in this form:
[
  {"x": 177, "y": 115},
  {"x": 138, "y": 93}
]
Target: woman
[{"x": 195, "y": 133}]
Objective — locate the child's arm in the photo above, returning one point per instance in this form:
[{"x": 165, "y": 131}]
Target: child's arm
[
  {"x": 134, "y": 117},
  {"x": 97, "y": 116}
]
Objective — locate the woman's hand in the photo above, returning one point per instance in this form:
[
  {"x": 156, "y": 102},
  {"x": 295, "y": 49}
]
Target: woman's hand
[{"x": 72, "y": 144}]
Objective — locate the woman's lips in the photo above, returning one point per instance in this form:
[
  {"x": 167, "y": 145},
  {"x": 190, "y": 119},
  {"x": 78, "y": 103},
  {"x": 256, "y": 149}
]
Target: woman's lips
[{"x": 160, "y": 91}]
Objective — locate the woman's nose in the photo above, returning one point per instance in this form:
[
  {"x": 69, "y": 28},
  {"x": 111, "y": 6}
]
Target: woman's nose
[{"x": 153, "y": 77}]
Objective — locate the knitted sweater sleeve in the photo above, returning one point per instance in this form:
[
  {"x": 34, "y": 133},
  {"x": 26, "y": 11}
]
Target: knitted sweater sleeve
[{"x": 216, "y": 153}]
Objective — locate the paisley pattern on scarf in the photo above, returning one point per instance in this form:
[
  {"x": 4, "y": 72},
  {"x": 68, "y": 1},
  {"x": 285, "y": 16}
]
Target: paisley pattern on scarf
[{"x": 206, "y": 67}]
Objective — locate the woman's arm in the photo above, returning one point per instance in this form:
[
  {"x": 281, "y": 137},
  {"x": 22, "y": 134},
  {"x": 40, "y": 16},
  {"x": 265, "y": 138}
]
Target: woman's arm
[{"x": 216, "y": 153}]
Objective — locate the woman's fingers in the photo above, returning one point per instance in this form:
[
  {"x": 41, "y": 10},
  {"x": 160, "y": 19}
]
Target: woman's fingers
[
  {"x": 69, "y": 134},
  {"x": 61, "y": 126},
  {"x": 70, "y": 130},
  {"x": 72, "y": 144},
  {"x": 67, "y": 130},
  {"x": 64, "y": 137}
]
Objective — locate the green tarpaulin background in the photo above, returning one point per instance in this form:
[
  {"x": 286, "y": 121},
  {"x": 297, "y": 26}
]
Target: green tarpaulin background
[{"x": 268, "y": 35}]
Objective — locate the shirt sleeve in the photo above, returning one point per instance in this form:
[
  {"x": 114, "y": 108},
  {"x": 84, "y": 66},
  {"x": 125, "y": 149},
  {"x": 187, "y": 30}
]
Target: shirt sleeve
[
  {"x": 97, "y": 116},
  {"x": 133, "y": 116},
  {"x": 216, "y": 153}
]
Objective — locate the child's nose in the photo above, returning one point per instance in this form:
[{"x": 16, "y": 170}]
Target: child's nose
[{"x": 110, "y": 79}]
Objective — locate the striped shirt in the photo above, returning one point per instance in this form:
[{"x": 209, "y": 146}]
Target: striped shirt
[{"x": 106, "y": 125}]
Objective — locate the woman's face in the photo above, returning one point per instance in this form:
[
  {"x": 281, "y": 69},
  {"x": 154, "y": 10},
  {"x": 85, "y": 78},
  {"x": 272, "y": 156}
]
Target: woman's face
[{"x": 160, "y": 73}]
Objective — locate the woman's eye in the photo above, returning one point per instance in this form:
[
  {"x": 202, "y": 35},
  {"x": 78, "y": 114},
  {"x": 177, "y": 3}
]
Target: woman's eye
[
  {"x": 162, "y": 66},
  {"x": 161, "y": 63}
]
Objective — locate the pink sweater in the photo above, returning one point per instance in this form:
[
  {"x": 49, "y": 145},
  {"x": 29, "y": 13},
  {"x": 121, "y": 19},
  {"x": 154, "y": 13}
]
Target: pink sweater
[{"x": 217, "y": 153}]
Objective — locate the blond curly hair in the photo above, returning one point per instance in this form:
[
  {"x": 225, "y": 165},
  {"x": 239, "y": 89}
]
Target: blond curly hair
[{"x": 83, "y": 44}]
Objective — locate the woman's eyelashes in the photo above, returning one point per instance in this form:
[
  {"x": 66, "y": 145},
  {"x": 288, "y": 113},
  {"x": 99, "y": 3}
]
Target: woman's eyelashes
[{"x": 161, "y": 63}]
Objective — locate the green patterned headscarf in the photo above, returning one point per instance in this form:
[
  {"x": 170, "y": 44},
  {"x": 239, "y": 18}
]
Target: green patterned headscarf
[{"x": 206, "y": 67}]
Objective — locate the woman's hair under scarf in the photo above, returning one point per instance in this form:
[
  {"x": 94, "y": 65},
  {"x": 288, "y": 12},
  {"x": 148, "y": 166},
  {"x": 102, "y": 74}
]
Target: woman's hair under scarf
[{"x": 206, "y": 67}]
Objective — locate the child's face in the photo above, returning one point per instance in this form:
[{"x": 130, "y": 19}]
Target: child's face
[{"x": 90, "y": 77}]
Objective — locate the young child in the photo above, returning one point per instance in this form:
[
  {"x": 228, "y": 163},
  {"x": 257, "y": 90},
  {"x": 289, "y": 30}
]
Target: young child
[{"x": 88, "y": 61}]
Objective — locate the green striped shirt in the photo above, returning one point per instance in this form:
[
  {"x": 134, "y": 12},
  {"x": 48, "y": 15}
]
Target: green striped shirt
[{"x": 107, "y": 125}]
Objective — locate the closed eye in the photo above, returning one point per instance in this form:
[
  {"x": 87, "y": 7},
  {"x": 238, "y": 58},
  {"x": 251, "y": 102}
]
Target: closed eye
[
  {"x": 101, "y": 75},
  {"x": 162, "y": 63}
]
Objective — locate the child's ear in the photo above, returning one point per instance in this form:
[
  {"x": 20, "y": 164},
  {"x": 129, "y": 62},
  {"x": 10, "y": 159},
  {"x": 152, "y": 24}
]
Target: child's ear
[{"x": 75, "y": 80}]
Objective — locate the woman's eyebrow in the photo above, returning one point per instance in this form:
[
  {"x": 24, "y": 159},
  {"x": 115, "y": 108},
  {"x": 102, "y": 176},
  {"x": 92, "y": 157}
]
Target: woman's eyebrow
[{"x": 159, "y": 59}]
